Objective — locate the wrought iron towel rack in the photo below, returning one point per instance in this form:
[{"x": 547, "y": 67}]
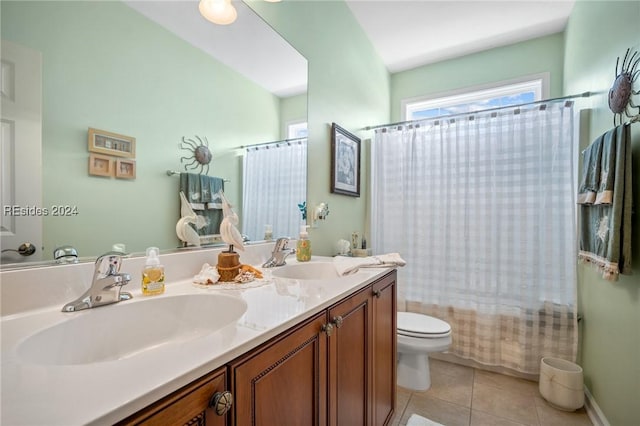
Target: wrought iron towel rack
[{"x": 173, "y": 172}]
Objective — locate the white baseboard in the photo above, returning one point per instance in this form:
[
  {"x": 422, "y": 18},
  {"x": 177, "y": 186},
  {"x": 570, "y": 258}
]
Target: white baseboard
[{"x": 593, "y": 411}]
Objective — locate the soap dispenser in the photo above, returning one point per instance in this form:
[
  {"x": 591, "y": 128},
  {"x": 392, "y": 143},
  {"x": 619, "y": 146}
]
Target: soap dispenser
[
  {"x": 303, "y": 246},
  {"x": 153, "y": 273}
]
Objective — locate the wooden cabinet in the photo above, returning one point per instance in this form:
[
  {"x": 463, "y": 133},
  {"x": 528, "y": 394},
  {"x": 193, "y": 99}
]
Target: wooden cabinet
[
  {"x": 350, "y": 350},
  {"x": 362, "y": 356},
  {"x": 191, "y": 405},
  {"x": 284, "y": 382},
  {"x": 336, "y": 368},
  {"x": 384, "y": 350}
]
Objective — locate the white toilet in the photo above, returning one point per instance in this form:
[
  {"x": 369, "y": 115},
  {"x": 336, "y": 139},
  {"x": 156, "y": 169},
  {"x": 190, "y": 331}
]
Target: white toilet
[{"x": 418, "y": 335}]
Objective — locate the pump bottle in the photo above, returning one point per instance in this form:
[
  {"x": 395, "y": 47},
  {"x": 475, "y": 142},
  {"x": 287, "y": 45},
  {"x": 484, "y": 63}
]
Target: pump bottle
[
  {"x": 303, "y": 246},
  {"x": 152, "y": 274}
]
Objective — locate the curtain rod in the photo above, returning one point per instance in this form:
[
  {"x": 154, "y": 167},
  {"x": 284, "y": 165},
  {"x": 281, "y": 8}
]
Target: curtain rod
[
  {"x": 379, "y": 126},
  {"x": 274, "y": 142}
]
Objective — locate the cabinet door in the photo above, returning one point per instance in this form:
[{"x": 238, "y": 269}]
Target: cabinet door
[
  {"x": 349, "y": 361},
  {"x": 384, "y": 349},
  {"x": 284, "y": 383},
  {"x": 187, "y": 406}
]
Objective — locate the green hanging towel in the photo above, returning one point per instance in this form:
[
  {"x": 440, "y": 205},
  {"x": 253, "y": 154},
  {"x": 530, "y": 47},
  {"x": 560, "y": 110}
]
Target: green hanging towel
[{"x": 605, "y": 219}]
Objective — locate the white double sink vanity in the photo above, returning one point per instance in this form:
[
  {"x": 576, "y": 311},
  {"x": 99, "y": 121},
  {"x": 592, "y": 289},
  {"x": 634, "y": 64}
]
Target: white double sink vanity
[{"x": 274, "y": 345}]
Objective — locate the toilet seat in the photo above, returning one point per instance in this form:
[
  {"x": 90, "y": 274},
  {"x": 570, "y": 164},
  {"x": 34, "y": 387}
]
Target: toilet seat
[{"x": 421, "y": 326}]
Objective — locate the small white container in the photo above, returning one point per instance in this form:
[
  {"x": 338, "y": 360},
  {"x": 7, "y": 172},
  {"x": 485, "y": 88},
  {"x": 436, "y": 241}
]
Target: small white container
[{"x": 561, "y": 383}]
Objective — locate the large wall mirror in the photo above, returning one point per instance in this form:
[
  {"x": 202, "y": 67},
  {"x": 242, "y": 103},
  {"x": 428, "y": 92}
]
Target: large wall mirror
[{"x": 155, "y": 71}]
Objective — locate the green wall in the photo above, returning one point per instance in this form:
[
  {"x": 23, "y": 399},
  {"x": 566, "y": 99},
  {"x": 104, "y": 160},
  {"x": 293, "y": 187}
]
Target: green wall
[
  {"x": 108, "y": 67},
  {"x": 349, "y": 85},
  {"x": 598, "y": 32},
  {"x": 536, "y": 56},
  {"x": 292, "y": 109}
]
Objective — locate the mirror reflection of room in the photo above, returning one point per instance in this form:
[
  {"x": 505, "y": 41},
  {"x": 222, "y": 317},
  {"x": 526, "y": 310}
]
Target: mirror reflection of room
[{"x": 155, "y": 87}]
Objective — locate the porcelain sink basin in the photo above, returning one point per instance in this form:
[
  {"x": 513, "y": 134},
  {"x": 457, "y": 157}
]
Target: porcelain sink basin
[
  {"x": 307, "y": 271},
  {"x": 127, "y": 328}
]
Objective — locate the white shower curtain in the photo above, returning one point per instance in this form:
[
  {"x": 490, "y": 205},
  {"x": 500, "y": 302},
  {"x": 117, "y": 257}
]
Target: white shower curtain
[
  {"x": 483, "y": 210},
  {"x": 274, "y": 183}
]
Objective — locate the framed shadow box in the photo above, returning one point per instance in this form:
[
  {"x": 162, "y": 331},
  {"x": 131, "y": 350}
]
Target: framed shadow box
[{"x": 110, "y": 143}]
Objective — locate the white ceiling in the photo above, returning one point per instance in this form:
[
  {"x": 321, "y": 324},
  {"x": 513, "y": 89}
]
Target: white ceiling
[
  {"x": 405, "y": 33},
  {"x": 248, "y": 45}
]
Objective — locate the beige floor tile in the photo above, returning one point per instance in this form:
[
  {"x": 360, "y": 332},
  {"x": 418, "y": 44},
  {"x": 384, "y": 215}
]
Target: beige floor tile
[
  {"x": 479, "y": 418},
  {"x": 451, "y": 369},
  {"x": 550, "y": 416},
  {"x": 508, "y": 383},
  {"x": 495, "y": 400},
  {"x": 505, "y": 403},
  {"x": 436, "y": 410},
  {"x": 455, "y": 388},
  {"x": 402, "y": 399}
]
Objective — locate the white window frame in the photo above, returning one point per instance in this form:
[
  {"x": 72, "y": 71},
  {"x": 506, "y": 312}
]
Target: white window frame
[
  {"x": 293, "y": 127},
  {"x": 538, "y": 83}
]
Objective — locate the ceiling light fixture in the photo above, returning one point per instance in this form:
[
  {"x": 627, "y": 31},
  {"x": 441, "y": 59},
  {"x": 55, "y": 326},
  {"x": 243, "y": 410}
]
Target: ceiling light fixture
[{"x": 219, "y": 12}]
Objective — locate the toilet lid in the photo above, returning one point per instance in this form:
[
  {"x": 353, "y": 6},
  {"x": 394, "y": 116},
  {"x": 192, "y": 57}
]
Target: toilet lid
[{"x": 417, "y": 325}]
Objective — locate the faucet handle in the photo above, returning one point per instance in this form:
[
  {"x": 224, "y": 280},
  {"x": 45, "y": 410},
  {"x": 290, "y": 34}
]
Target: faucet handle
[
  {"x": 113, "y": 260},
  {"x": 281, "y": 244}
]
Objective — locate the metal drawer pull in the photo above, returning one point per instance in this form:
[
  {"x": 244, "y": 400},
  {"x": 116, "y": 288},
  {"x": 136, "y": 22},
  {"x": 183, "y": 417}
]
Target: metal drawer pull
[
  {"x": 328, "y": 328},
  {"x": 221, "y": 402},
  {"x": 338, "y": 321}
]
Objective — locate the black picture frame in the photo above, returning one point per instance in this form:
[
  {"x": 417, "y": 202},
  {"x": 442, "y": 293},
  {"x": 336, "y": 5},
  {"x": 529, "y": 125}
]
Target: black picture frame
[{"x": 345, "y": 162}]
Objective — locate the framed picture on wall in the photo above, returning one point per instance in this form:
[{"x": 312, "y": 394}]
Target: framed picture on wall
[
  {"x": 101, "y": 165},
  {"x": 125, "y": 168},
  {"x": 110, "y": 143},
  {"x": 345, "y": 162}
]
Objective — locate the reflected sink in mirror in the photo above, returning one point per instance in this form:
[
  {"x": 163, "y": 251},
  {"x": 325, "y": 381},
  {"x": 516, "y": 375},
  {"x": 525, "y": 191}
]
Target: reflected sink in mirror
[
  {"x": 307, "y": 271},
  {"x": 125, "y": 329}
]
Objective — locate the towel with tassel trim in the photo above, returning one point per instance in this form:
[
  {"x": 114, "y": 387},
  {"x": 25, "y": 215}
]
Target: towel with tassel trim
[{"x": 605, "y": 225}]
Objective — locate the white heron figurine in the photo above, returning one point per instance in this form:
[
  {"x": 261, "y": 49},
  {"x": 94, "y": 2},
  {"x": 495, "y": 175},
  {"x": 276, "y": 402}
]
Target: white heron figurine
[
  {"x": 184, "y": 230},
  {"x": 228, "y": 231}
]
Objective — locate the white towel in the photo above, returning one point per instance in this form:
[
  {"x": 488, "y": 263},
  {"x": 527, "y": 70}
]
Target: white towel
[
  {"x": 349, "y": 265},
  {"x": 416, "y": 420}
]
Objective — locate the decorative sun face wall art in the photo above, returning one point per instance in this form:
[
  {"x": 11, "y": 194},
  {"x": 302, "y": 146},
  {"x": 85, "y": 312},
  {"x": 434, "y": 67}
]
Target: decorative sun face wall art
[
  {"x": 621, "y": 92},
  {"x": 201, "y": 155}
]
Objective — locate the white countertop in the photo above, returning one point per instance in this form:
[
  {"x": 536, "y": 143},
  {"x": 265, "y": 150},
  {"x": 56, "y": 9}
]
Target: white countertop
[{"x": 109, "y": 391}]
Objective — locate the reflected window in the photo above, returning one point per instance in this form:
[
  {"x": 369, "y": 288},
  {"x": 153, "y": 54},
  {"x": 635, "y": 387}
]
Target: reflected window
[
  {"x": 274, "y": 184},
  {"x": 297, "y": 130}
]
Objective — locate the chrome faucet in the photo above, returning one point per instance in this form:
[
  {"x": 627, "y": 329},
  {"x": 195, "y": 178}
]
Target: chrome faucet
[
  {"x": 106, "y": 285},
  {"x": 279, "y": 254}
]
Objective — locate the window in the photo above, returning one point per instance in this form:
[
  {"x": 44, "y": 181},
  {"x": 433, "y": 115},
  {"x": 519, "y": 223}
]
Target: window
[
  {"x": 297, "y": 130},
  {"x": 505, "y": 94}
]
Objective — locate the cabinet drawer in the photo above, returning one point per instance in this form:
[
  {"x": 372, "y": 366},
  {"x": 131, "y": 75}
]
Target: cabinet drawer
[{"x": 187, "y": 406}]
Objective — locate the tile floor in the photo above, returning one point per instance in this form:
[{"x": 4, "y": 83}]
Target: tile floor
[{"x": 466, "y": 396}]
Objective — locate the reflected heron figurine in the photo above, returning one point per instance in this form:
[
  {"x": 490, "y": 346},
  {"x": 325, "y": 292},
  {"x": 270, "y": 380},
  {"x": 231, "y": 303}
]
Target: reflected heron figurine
[
  {"x": 184, "y": 230},
  {"x": 228, "y": 230}
]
